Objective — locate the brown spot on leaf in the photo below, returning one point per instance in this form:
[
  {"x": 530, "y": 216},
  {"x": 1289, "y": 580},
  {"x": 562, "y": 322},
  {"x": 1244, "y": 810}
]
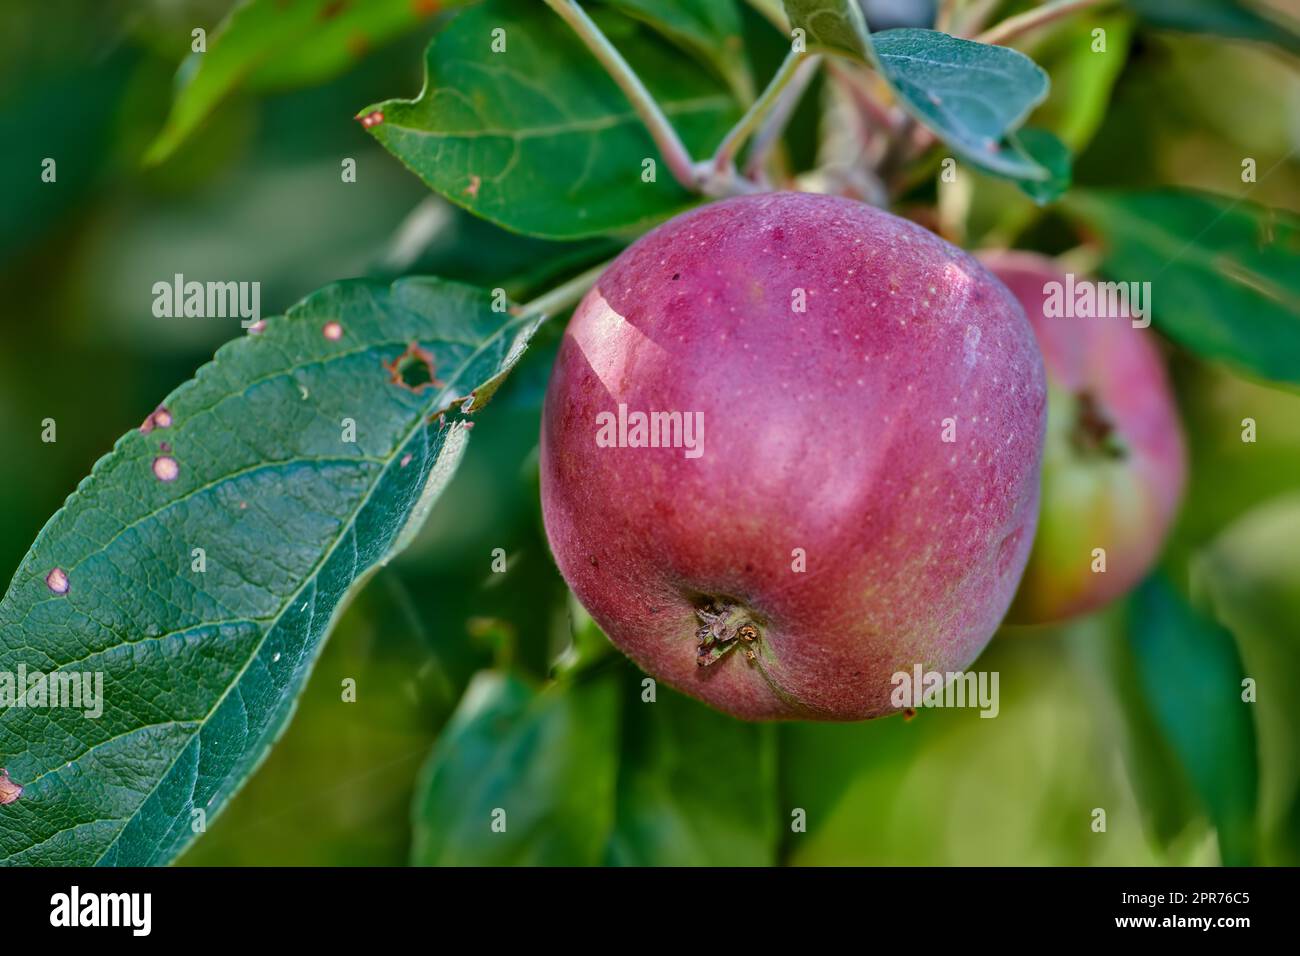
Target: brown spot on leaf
[
  {"x": 406, "y": 460},
  {"x": 166, "y": 468},
  {"x": 57, "y": 581},
  {"x": 472, "y": 189},
  {"x": 358, "y": 45},
  {"x": 425, "y": 8},
  {"x": 332, "y": 331},
  {"x": 909, "y": 713},
  {"x": 372, "y": 119},
  {"x": 9, "y": 791},
  {"x": 332, "y": 9},
  {"x": 160, "y": 417}
]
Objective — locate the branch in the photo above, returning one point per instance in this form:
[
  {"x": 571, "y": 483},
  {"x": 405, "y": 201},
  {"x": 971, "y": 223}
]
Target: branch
[
  {"x": 661, "y": 130},
  {"x": 1013, "y": 27}
]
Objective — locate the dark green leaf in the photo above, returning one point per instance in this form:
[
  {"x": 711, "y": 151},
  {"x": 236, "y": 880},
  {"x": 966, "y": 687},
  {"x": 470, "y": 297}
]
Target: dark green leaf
[
  {"x": 201, "y": 668},
  {"x": 695, "y": 787},
  {"x": 270, "y": 44},
  {"x": 1049, "y": 152},
  {"x": 1191, "y": 677},
  {"x": 709, "y": 28},
  {"x": 1225, "y": 18},
  {"x": 970, "y": 94},
  {"x": 521, "y": 777},
  {"x": 1223, "y": 275},
  {"x": 538, "y": 138}
]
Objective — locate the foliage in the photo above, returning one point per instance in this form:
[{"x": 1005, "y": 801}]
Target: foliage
[{"x": 542, "y": 167}]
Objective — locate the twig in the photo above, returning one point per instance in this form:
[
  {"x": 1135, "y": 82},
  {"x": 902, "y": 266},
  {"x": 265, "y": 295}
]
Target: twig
[
  {"x": 972, "y": 19},
  {"x": 770, "y": 132},
  {"x": 660, "y": 129},
  {"x": 1013, "y": 27},
  {"x": 943, "y": 21},
  {"x": 725, "y": 155}
]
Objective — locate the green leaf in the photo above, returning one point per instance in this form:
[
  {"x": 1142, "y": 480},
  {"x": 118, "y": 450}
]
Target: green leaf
[
  {"x": 1222, "y": 272},
  {"x": 201, "y": 667},
  {"x": 1191, "y": 677},
  {"x": 970, "y": 94},
  {"x": 695, "y": 787},
  {"x": 709, "y": 28},
  {"x": 835, "y": 26},
  {"x": 1043, "y": 148},
  {"x": 521, "y": 777},
  {"x": 1225, "y": 18},
  {"x": 1082, "y": 77},
  {"x": 274, "y": 44},
  {"x": 1251, "y": 577},
  {"x": 951, "y": 788},
  {"x": 538, "y": 138}
]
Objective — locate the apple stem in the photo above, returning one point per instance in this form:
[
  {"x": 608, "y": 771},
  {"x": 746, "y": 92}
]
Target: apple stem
[
  {"x": 661, "y": 130},
  {"x": 563, "y": 295},
  {"x": 724, "y": 627}
]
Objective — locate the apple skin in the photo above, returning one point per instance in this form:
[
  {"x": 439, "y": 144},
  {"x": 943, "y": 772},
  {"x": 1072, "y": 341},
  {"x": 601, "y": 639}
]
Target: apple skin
[
  {"x": 1114, "y": 465},
  {"x": 822, "y": 432}
]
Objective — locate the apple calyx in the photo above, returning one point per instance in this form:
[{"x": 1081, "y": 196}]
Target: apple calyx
[
  {"x": 1094, "y": 434},
  {"x": 724, "y": 627}
]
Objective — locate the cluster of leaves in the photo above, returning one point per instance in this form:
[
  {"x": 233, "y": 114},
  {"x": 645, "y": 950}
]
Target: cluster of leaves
[{"x": 538, "y": 138}]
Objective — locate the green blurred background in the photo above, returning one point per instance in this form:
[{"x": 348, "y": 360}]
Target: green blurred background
[{"x": 256, "y": 194}]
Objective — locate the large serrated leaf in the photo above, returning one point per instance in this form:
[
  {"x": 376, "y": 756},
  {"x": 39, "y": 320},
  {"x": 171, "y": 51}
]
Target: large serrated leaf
[
  {"x": 200, "y": 668},
  {"x": 273, "y": 44},
  {"x": 1222, "y": 272},
  {"x": 538, "y": 138}
]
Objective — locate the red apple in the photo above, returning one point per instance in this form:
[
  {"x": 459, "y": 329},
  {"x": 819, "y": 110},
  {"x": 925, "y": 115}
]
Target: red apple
[
  {"x": 1114, "y": 463},
  {"x": 864, "y": 496}
]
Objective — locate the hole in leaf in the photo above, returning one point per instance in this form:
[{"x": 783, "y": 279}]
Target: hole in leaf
[{"x": 413, "y": 369}]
